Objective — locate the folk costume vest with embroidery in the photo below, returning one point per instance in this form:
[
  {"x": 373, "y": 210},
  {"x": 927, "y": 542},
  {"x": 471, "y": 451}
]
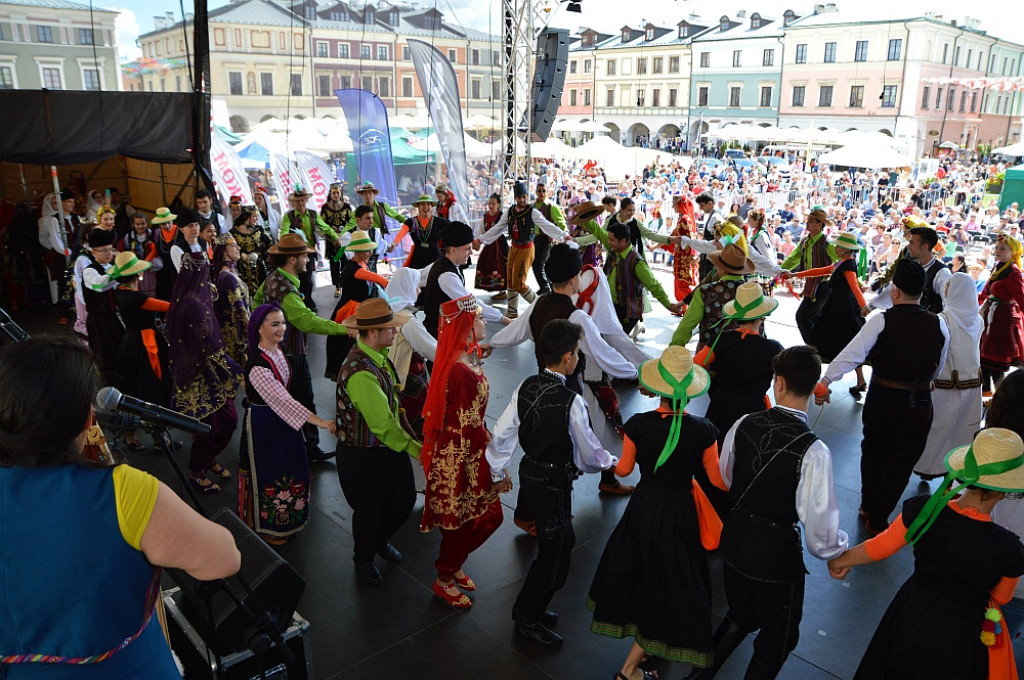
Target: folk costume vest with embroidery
[
  {"x": 629, "y": 290},
  {"x": 424, "y": 240},
  {"x": 379, "y": 219},
  {"x": 434, "y": 296},
  {"x": 818, "y": 255},
  {"x": 352, "y": 428},
  {"x": 521, "y": 227},
  {"x": 760, "y": 538},
  {"x": 715, "y": 295},
  {"x": 549, "y": 307},
  {"x": 297, "y": 224},
  {"x": 275, "y": 289},
  {"x": 337, "y": 218},
  {"x": 931, "y": 300},
  {"x": 259, "y": 359},
  {"x": 543, "y": 407},
  {"x": 909, "y": 346}
]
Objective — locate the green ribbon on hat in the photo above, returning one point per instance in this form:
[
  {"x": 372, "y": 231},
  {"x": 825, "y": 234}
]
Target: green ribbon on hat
[
  {"x": 679, "y": 401},
  {"x": 970, "y": 474},
  {"x": 115, "y": 272},
  {"x": 341, "y": 249},
  {"x": 740, "y": 311}
]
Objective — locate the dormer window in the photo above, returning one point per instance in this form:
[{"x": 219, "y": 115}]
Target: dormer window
[
  {"x": 370, "y": 16},
  {"x": 649, "y": 34},
  {"x": 723, "y": 24},
  {"x": 309, "y": 12},
  {"x": 788, "y": 17},
  {"x": 625, "y": 36},
  {"x": 755, "y": 21}
]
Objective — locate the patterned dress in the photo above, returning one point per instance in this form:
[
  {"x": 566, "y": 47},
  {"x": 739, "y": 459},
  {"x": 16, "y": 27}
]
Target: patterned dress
[
  {"x": 459, "y": 481},
  {"x": 253, "y": 266},
  {"x": 493, "y": 262},
  {"x": 233, "y": 310}
]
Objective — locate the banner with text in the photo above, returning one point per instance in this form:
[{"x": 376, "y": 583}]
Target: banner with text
[
  {"x": 285, "y": 177},
  {"x": 367, "y": 119},
  {"x": 228, "y": 174},
  {"x": 317, "y": 177},
  {"x": 440, "y": 89}
]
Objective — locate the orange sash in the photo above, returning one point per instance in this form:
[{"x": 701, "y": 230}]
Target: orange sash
[
  {"x": 707, "y": 519},
  {"x": 153, "y": 353}
]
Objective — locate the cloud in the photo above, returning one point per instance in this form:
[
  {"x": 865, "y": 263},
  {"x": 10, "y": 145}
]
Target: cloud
[{"x": 126, "y": 29}]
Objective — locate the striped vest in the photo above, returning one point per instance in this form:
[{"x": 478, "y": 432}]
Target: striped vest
[
  {"x": 818, "y": 254},
  {"x": 352, "y": 428},
  {"x": 629, "y": 290},
  {"x": 275, "y": 289}
]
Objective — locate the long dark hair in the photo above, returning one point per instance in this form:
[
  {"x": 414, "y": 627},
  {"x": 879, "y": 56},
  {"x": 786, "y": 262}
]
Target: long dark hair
[
  {"x": 1007, "y": 407},
  {"x": 47, "y": 386}
]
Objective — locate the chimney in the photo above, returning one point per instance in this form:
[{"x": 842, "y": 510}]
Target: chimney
[
  {"x": 831, "y": 7},
  {"x": 741, "y": 13},
  {"x": 818, "y": 9},
  {"x": 159, "y": 23}
]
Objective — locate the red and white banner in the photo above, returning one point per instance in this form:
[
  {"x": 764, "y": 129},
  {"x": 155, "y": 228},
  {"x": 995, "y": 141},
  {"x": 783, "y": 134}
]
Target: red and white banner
[
  {"x": 998, "y": 84},
  {"x": 285, "y": 177},
  {"x": 317, "y": 177},
  {"x": 228, "y": 174}
]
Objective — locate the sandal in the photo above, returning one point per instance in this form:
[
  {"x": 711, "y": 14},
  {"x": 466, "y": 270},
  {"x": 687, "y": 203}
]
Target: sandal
[
  {"x": 134, "y": 446},
  {"x": 205, "y": 485},
  {"x": 220, "y": 472},
  {"x": 465, "y": 583},
  {"x": 460, "y": 601},
  {"x": 644, "y": 675}
]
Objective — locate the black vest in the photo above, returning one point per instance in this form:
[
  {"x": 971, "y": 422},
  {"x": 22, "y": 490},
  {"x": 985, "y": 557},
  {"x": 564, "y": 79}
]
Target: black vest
[
  {"x": 635, "y": 237},
  {"x": 540, "y": 239},
  {"x": 909, "y": 347},
  {"x": 930, "y": 299},
  {"x": 543, "y": 407},
  {"x": 433, "y": 296},
  {"x": 549, "y": 307},
  {"x": 425, "y": 249},
  {"x": 760, "y": 538},
  {"x": 257, "y": 358},
  {"x": 96, "y": 301},
  {"x": 520, "y": 229}
]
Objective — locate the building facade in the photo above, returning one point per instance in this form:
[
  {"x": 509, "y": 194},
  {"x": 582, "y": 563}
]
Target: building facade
[{"x": 57, "y": 45}]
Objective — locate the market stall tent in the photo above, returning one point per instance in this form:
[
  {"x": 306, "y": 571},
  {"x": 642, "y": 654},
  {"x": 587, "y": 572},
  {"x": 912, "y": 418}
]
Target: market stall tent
[{"x": 1013, "y": 187}]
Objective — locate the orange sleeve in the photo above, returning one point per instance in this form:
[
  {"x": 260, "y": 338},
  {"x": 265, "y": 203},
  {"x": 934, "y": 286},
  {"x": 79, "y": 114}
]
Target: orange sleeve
[
  {"x": 812, "y": 273},
  {"x": 154, "y": 305},
  {"x": 627, "y": 461},
  {"x": 401, "y": 233},
  {"x": 1003, "y": 592},
  {"x": 888, "y": 542},
  {"x": 705, "y": 357},
  {"x": 367, "y": 275},
  {"x": 851, "y": 278},
  {"x": 711, "y": 466}
]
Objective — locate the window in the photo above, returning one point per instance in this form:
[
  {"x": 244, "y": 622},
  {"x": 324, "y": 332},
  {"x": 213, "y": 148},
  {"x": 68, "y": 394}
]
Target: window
[
  {"x": 830, "y": 53},
  {"x": 895, "y": 49},
  {"x": 6, "y": 78},
  {"x": 967, "y": 61},
  {"x": 345, "y": 82},
  {"x": 889, "y": 96},
  {"x": 825, "y": 95},
  {"x": 85, "y": 36},
  {"x": 656, "y": 97},
  {"x": 641, "y": 97},
  {"x": 405, "y": 53},
  {"x": 382, "y": 52},
  {"x": 51, "y": 79},
  {"x": 495, "y": 58},
  {"x": 587, "y": 67},
  {"x": 974, "y": 102},
  {"x": 475, "y": 57},
  {"x": 44, "y": 34},
  {"x": 572, "y": 66},
  {"x": 649, "y": 35},
  {"x": 766, "y": 97},
  {"x": 736, "y": 58},
  {"x": 981, "y": 59},
  {"x": 734, "y": 96},
  {"x": 163, "y": 85},
  {"x": 611, "y": 67},
  {"x": 673, "y": 96},
  {"x": 856, "y": 96},
  {"x": 705, "y": 59},
  {"x": 407, "y": 87},
  {"x": 453, "y": 56},
  {"x": 384, "y": 87},
  {"x": 657, "y": 64},
  {"x": 956, "y": 56},
  {"x": 799, "y": 93},
  {"x": 963, "y": 101},
  {"x": 364, "y": 51},
  {"x": 1005, "y": 59},
  {"x": 860, "y": 52},
  {"x": 572, "y": 97},
  {"x": 367, "y": 83},
  {"x": 235, "y": 82},
  {"x": 321, "y": 49},
  {"x": 586, "y": 97},
  {"x": 91, "y": 79},
  {"x": 496, "y": 90},
  {"x": 309, "y": 12},
  {"x": 295, "y": 84},
  {"x": 338, "y": 16},
  {"x": 702, "y": 95},
  {"x": 945, "y": 53},
  {"x": 949, "y": 98},
  {"x": 938, "y": 98},
  {"x": 769, "y": 58},
  {"x": 641, "y": 65},
  {"x": 369, "y": 17},
  {"x": 673, "y": 64},
  {"x": 926, "y": 97},
  {"x": 801, "y": 53},
  {"x": 266, "y": 84},
  {"x": 609, "y": 99},
  {"x": 343, "y": 50},
  {"x": 324, "y": 86},
  {"x": 177, "y": 83}
]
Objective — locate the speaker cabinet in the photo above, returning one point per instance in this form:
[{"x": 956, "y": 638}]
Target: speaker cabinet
[{"x": 549, "y": 79}]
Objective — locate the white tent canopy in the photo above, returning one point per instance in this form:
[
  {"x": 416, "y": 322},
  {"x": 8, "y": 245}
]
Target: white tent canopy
[
  {"x": 1011, "y": 150},
  {"x": 868, "y": 155},
  {"x": 474, "y": 150}
]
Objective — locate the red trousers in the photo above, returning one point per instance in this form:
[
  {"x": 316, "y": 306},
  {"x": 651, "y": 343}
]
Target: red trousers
[{"x": 456, "y": 544}]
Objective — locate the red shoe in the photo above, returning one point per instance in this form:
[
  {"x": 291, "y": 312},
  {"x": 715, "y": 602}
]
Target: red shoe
[
  {"x": 459, "y": 601},
  {"x": 465, "y": 583},
  {"x": 529, "y": 527}
]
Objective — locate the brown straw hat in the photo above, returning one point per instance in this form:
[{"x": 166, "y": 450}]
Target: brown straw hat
[
  {"x": 677, "y": 362},
  {"x": 819, "y": 214},
  {"x": 586, "y": 211},
  {"x": 291, "y": 244},
  {"x": 368, "y": 186},
  {"x": 732, "y": 260},
  {"x": 375, "y": 313},
  {"x": 750, "y": 303}
]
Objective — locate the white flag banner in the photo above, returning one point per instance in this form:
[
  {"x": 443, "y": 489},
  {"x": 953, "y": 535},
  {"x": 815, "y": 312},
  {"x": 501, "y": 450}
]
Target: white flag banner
[
  {"x": 316, "y": 176},
  {"x": 229, "y": 176},
  {"x": 285, "y": 179}
]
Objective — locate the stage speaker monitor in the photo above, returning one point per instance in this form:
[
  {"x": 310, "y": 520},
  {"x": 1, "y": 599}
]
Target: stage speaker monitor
[
  {"x": 549, "y": 79},
  {"x": 276, "y": 586}
]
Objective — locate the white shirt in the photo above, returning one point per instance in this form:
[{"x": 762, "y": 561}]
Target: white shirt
[
  {"x": 93, "y": 280},
  {"x": 49, "y": 234},
  {"x": 762, "y": 254},
  {"x": 592, "y": 343},
  {"x": 549, "y": 228},
  {"x": 455, "y": 287},
  {"x": 177, "y": 253},
  {"x": 884, "y": 301},
  {"x": 855, "y": 353},
  {"x": 816, "y": 504},
  {"x": 587, "y": 452}
]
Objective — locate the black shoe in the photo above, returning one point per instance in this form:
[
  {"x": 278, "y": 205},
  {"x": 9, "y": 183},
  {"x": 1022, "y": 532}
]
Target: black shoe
[
  {"x": 390, "y": 553},
  {"x": 549, "y": 619},
  {"x": 537, "y": 632},
  {"x": 318, "y": 456},
  {"x": 369, "y": 572}
]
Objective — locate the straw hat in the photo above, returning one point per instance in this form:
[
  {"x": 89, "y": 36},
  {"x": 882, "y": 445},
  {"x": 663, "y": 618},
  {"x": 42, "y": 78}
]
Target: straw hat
[
  {"x": 127, "y": 264},
  {"x": 585, "y": 212},
  {"x": 163, "y": 216},
  {"x": 291, "y": 244},
  {"x": 360, "y": 241},
  {"x": 732, "y": 260},
  {"x": 819, "y": 214},
  {"x": 848, "y": 241},
  {"x": 300, "y": 192},
  {"x": 367, "y": 186},
  {"x": 749, "y": 303},
  {"x": 992, "y": 447},
  {"x": 425, "y": 198},
  {"x": 678, "y": 363},
  {"x": 375, "y": 313}
]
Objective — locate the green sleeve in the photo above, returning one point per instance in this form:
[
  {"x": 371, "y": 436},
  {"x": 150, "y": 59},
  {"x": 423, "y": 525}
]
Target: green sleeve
[
  {"x": 302, "y": 317},
  {"x": 257, "y": 297},
  {"x": 832, "y": 251},
  {"x": 690, "y": 320},
  {"x": 325, "y": 228},
  {"x": 365, "y": 393},
  {"x": 558, "y": 218},
  {"x": 351, "y": 225},
  {"x": 286, "y": 224},
  {"x": 794, "y": 258},
  {"x": 652, "y": 235},
  {"x": 393, "y": 212},
  {"x": 646, "y": 276},
  {"x": 597, "y": 235}
]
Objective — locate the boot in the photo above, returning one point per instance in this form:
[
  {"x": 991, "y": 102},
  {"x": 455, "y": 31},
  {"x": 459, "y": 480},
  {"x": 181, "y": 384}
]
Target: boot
[
  {"x": 727, "y": 638},
  {"x": 512, "y": 306},
  {"x": 529, "y": 296}
]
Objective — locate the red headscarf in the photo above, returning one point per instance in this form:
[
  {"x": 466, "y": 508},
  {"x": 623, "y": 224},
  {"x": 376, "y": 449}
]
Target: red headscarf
[{"x": 687, "y": 219}]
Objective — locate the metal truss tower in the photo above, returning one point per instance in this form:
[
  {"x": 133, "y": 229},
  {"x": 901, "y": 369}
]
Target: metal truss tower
[{"x": 524, "y": 20}]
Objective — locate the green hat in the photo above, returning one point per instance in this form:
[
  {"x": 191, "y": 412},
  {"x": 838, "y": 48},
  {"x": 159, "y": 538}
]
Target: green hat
[
  {"x": 848, "y": 241},
  {"x": 425, "y": 198}
]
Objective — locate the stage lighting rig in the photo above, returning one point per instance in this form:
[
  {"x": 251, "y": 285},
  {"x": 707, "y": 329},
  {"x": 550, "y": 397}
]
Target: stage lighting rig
[{"x": 572, "y": 5}]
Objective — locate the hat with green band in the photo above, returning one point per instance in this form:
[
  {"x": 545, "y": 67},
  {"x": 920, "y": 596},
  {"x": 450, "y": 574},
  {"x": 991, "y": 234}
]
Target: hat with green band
[
  {"x": 361, "y": 241},
  {"x": 848, "y": 241},
  {"x": 995, "y": 461},
  {"x": 425, "y": 198},
  {"x": 749, "y": 303},
  {"x": 673, "y": 375},
  {"x": 127, "y": 264}
]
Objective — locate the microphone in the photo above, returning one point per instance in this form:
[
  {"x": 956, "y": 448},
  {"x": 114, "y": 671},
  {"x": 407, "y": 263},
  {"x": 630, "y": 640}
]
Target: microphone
[
  {"x": 111, "y": 399},
  {"x": 118, "y": 421}
]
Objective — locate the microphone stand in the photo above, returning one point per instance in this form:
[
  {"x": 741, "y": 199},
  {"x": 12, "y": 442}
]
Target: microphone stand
[{"x": 264, "y": 633}]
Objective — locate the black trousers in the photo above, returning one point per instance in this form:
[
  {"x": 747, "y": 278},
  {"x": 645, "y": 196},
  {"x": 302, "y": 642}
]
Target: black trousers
[
  {"x": 548, "y": 493},
  {"x": 809, "y": 311},
  {"x": 627, "y": 324},
  {"x": 378, "y": 484},
  {"x": 306, "y": 284},
  {"x": 775, "y": 609},
  {"x": 896, "y": 424},
  {"x": 541, "y": 248},
  {"x": 302, "y": 390},
  {"x": 59, "y": 272}
]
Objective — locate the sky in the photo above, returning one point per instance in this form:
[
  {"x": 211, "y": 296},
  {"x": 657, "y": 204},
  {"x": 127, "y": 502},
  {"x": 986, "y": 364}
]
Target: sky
[{"x": 1001, "y": 19}]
